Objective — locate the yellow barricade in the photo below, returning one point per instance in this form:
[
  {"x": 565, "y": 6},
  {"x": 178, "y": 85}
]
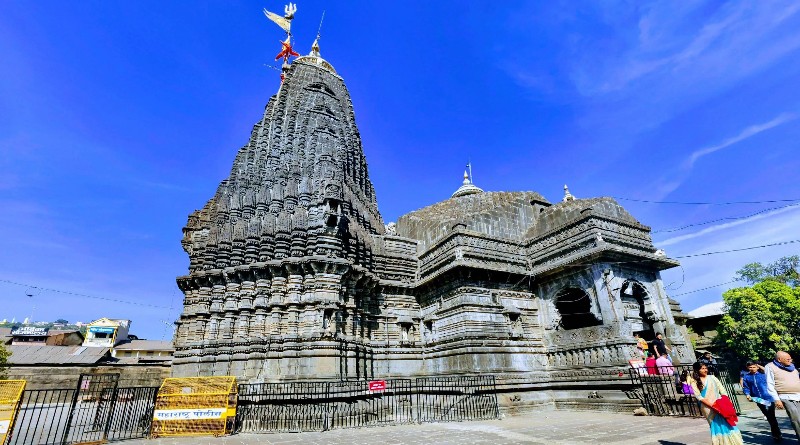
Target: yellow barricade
[
  {"x": 10, "y": 395},
  {"x": 194, "y": 406}
]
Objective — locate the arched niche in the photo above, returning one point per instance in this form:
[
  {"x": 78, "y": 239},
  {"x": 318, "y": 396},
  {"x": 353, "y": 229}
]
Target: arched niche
[{"x": 574, "y": 307}]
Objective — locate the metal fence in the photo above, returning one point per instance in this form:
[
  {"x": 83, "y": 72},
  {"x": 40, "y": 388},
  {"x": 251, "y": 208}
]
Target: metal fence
[
  {"x": 96, "y": 411},
  {"x": 446, "y": 399},
  {"x": 131, "y": 413},
  {"x": 321, "y": 406},
  {"x": 662, "y": 390}
]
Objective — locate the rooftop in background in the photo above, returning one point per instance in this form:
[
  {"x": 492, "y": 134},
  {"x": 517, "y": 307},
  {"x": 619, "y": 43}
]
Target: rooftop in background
[
  {"x": 143, "y": 351},
  {"x": 145, "y": 345},
  {"x": 55, "y": 355},
  {"x": 709, "y": 310}
]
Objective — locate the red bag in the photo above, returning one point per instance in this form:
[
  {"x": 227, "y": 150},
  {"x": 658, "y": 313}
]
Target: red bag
[{"x": 724, "y": 408}]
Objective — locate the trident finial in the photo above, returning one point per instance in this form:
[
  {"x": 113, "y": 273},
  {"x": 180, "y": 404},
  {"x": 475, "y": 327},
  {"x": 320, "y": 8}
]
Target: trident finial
[{"x": 289, "y": 10}]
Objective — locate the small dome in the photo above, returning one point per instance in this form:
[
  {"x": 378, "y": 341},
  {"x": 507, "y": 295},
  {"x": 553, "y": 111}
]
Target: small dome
[
  {"x": 467, "y": 188},
  {"x": 314, "y": 58}
]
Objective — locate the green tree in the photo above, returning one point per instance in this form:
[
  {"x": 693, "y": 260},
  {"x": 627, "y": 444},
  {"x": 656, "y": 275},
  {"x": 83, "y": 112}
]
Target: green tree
[
  {"x": 784, "y": 270},
  {"x": 4, "y": 355},
  {"x": 761, "y": 319}
]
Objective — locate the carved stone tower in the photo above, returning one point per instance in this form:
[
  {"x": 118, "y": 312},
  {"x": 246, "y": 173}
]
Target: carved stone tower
[{"x": 281, "y": 256}]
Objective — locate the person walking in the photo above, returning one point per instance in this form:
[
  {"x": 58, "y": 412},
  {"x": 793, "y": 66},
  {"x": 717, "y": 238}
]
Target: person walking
[
  {"x": 754, "y": 386},
  {"x": 715, "y": 406},
  {"x": 783, "y": 385},
  {"x": 660, "y": 348}
]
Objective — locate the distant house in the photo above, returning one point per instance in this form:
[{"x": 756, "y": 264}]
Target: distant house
[
  {"x": 29, "y": 335},
  {"x": 106, "y": 332},
  {"x": 64, "y": 337},
  {"x": 704, "y": 321},
  {"x": 143, "y": 351}
]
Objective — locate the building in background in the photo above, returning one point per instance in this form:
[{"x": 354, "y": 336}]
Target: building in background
[
  {"x": 34, "y": 335},
  {"x": 64, "y": 337},
  {"x": 106, "y": 332},
  {"x": 28, "y": 335},
  {"x": 52, "y": 358},
  {"x": 143, "y": 350},
  {"x": 703, "y": 323}
]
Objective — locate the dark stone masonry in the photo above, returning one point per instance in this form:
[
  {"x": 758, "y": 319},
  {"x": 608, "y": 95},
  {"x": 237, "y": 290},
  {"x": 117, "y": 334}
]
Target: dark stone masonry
[{"x": 294, "y": 276}]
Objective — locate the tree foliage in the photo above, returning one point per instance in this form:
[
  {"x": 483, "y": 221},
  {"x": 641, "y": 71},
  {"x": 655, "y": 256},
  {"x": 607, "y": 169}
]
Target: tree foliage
[
  {"x": 761, "y": 319},
  {"x": 4, "y": 355},
  {"x": 784, "y": 270}
]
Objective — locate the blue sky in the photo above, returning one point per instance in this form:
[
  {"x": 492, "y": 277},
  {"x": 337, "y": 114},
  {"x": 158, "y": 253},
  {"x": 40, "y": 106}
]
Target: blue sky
[{"x": 117, "y": 119}]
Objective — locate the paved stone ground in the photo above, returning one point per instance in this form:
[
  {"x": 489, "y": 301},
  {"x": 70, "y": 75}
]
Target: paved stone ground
[{"x": 552, "y": 428}]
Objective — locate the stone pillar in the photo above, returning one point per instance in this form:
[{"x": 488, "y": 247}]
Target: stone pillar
[
  {"x": 294, "y": 288},
  {"x": 278, "y": 290},
  {"x": 611, "y": 308}
]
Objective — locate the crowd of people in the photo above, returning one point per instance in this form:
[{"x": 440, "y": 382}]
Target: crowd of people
[{"x": 771, "y": 386}]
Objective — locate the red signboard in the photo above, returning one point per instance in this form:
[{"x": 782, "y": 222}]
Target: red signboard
[{"x": 377, "y": 385}]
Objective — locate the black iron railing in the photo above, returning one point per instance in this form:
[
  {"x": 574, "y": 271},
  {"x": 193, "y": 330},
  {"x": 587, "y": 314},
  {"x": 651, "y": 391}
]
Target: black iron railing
[
  {"x": 95, "y": 411},
  {"x": 663, "y": 393},
  {"x": 447, "y": 399},
  {"x": 320, "y": 406}
]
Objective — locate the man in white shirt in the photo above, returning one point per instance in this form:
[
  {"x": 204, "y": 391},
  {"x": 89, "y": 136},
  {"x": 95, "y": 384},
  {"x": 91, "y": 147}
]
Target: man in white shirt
[{"x": 783, "y": 384}]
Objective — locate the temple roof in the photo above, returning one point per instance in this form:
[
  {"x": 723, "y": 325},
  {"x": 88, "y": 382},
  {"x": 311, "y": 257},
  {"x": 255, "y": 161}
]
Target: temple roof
[
  {"x": 505, "y": 215},
  {"x": 572, "y": 209}
]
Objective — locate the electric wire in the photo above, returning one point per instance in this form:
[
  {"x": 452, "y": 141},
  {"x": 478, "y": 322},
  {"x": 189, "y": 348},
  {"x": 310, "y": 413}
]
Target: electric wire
[
  {"x": 730, "y": 218},
  {"x": 116, "y": 300},
  {"x": 705, "y": 288},
  {"x": 647, "y": 201},
  {"x": 737, "y": 250}
]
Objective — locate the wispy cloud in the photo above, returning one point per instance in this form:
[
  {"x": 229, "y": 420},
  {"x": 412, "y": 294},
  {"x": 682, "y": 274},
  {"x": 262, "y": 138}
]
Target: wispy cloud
[
  {"x": 728, "y": 225},
  {"x": 674, "y": 178},
  {"x": 744, "y": 134},
  {"x": 732, "y": 43}
]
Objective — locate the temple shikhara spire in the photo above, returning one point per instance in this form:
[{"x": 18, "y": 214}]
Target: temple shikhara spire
[{"x": 293, "y": 274}]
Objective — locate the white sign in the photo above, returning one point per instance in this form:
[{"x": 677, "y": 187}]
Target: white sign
[
  {"x": 189, "y": 414},
  {"x": 29, "y": 331},
  {"x": 4, "y": 424}
]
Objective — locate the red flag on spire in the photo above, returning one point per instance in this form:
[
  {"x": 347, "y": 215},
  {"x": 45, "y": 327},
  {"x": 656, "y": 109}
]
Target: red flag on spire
[{"x": 287, "y": 50}]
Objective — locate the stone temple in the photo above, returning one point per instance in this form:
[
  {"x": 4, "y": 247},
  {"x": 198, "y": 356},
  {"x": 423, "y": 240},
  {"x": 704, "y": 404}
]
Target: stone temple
[{"x": 293, "y": 274}]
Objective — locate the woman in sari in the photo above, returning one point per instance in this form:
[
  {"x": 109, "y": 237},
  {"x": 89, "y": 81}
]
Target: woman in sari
[{"x": 708, "y": 390}]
